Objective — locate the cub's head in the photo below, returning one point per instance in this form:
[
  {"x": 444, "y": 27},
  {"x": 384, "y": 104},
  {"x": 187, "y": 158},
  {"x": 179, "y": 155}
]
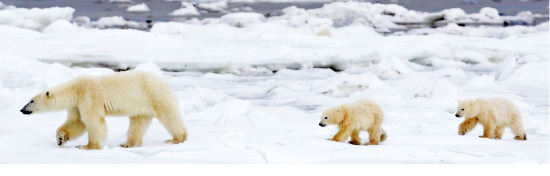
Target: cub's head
[
  {"x": 466, "y": 108},
  {"x": 58, "y": 98},
  {"x": 332, "y": 116}
]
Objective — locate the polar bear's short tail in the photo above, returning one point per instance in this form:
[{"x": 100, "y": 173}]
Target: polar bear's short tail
[{"x": 383, "y": 136}]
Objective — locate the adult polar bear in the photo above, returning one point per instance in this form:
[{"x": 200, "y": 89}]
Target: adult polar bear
[{"x": 87, "y": 99}]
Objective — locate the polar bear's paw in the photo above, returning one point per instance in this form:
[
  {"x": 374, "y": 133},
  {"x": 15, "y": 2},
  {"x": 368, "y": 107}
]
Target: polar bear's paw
[
  {"x": 129, "y": 145},
  {"x": 354, "y": 142},
  {"x": 521, "y": 138},
  {"x": 173, "y": 141},
  {"x": 89, "y": 147},
  {"x": 62, "y": 138},
  {"x": 485, "y": 136}
]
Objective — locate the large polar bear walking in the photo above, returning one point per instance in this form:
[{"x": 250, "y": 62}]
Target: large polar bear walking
[
  {"x": 87, "y": 99},
  {"x": 364, "y": 115},
  {"x": 494, "y": 114}
]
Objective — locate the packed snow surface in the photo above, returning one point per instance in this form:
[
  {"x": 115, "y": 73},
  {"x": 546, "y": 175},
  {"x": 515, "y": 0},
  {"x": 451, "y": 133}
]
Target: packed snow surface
[{"x": 254, "y": 93}]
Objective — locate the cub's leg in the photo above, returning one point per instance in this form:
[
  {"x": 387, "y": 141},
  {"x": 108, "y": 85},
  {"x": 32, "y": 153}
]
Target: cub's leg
[
  {"x": 498, "y": 132},
  {"x": 71, "y": 129},
  {"x": 467, "y": 125},
  {"x": 355, "y": 140},
  {"x": 488, "y": 131},
  {"x": 518, "y": 130},
  {"x": 138, "y": 127},
  {"x": 342, "y": 135},
  {"x": 374, "y": 135},
  {"x": 383, "y": 136}
]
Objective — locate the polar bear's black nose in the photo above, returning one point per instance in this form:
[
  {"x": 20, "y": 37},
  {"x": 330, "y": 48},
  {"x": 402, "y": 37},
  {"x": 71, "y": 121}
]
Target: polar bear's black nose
[
  {"x": 456, "y": 115},
  {"x": 322, "y": 125},
  {"x": 25, "y": 111}
]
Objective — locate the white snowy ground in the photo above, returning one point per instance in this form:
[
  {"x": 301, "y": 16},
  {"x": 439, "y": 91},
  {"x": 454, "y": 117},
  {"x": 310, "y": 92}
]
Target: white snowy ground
[{"x": 245, "y": 113}]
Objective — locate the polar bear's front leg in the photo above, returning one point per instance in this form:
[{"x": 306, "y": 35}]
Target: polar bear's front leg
[
  {"x": 488, "y": 131},
  {"x": 97, "y": 132},
  {"x": 342, "y": 135},
  {"x": 138, "y": 126},
  {"x": 498, "y": 132},
  {"x": 71, "y": 129},
  {"x": 355, "y": 140},
  {"x": 467, "y": 125}
]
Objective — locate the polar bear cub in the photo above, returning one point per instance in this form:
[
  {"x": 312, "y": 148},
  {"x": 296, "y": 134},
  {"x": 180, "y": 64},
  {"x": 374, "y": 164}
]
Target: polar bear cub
[
  {"x": 494, "y": 114},
  {"x": 364, "y": 115},
  {"x": 88, "y": 99}
]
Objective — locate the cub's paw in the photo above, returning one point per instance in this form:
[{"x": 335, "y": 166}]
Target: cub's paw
[
  {"x": 354, "y": 142},
  {"x": 62, "y": 138},
  {"x": 462, "y": 132},
  {"x": 484, "y": 137},
  {"x": 521, "y": 138},
  {"x": 372, "y": 142}
]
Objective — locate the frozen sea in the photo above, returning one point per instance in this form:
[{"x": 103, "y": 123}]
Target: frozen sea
[
  {"x": 160, "y": 9},
  {"x": 253, "y": 93}
]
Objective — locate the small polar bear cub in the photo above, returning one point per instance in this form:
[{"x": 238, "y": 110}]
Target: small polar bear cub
[
  {"x": 364, "y": 115},
  {"x": 494, "y": 114},
  {"x": 88, "y": 99}
]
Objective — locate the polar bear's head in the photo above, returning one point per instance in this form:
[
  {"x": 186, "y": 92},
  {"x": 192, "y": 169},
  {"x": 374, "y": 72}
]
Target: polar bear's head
[
  {"x": 57, "y": 98},
  {"x": 467, "y": 108},
  {"x": 332, "y": 116}
]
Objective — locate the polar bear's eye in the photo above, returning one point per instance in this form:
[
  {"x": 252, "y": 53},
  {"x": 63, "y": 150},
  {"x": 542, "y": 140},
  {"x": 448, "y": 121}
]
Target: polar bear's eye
[
  {"x": 463, "y": 109},
  {"x": 48, "y": 93},
  {"x": 326, "y": 117}
]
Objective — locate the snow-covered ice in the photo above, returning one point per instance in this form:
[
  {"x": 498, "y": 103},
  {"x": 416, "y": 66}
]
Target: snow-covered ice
[
  {"x": 187, "y": 9},
  {"x": 242, "y": 19},
  {"x": 120, "y": 1},
  {"x": 138, "y": 8},
  {"x": 35, "y": 18},
  {"x": 254, "y": 93},
  {"x": 216, "y": 6},
  {"x": 114, "y": 22},
  {"x": 277, "y": 1}
]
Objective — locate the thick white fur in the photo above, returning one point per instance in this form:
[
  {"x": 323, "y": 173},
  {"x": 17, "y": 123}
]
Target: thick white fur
[
  {"x": 494, "y": 114},
  {"x": 87, "y": 99},
  {"x": 364, "y": 115}
]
